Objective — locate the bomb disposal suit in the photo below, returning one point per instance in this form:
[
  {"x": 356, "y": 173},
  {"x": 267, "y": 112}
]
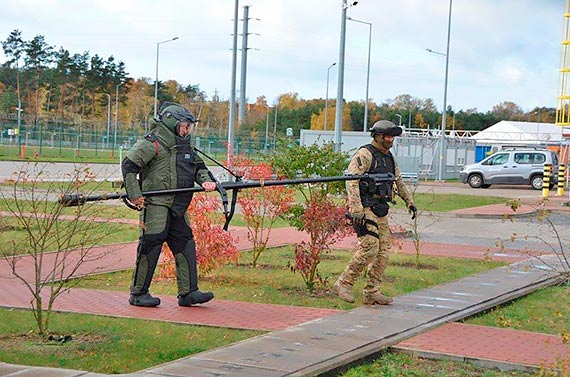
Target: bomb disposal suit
[
  {"x": 368, "y": 205},
  {"x": 165, "y": 160}
]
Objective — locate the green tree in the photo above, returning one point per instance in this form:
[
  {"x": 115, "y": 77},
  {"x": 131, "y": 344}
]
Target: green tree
[{"x": 39, "y": 55}]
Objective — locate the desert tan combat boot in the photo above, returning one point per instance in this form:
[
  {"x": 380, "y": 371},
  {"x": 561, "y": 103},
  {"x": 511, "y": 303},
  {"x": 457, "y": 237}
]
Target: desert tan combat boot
[
  {"x": 344, "y": 291},
  {"x": 376, "y": 298}
]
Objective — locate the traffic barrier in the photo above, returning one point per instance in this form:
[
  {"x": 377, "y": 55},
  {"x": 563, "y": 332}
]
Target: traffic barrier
[
  {"x": 546, "y": 180},
  {"x": 561, "y": 176}
]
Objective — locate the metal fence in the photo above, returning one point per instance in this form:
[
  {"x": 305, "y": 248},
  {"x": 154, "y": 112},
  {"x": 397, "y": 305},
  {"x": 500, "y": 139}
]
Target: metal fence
[{"x": 89, "y": 141}]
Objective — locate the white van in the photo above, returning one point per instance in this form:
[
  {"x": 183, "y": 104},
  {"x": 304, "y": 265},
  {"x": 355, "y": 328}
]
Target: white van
[{"x": 512, "y": 167}]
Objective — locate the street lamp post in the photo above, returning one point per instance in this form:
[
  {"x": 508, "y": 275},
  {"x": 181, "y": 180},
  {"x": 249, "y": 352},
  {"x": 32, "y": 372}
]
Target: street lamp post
[
  {"x": 399, "y": 120},
  {"x": 327, "y": 97},
  {"x": 340, "y": 81},
  {"x": 442, "y": 162},
  {"x": 367, "y": 70},
  {"x": 156, "y": 76},
  {"x": 275, "y": 126},
  {"x": 108, "y": 117},
  {"x": 538, "y": 126},
  {"x": 116, "y": 114},
  {"x": 266, "y": 128}
]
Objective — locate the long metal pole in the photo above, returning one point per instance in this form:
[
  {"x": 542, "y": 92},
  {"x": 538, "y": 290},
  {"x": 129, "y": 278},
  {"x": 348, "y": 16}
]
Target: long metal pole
[
  {"x": 243, "y": 66},
  {"x": 116, "y": 114},
  {"x": 108, "y": 118},
  {"x": 442, "y": 159},
  {"x": 156, "y": 72},
  {"x": 275, "y": 127},
  {"x": 232, "y": 117},
  {"x": 340, "y": 81},
  {"x": 266, "y": 129},
  {"x": 327, "y": 96},
  {"x": 367, "y": 78},
  {"x": 156, "y": 80}
]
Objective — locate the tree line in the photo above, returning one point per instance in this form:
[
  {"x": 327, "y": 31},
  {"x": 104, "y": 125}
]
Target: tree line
[{"x": 63, "y": 88}]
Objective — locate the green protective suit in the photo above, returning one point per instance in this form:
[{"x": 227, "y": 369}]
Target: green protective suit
[{"x": 163, "y": 160}]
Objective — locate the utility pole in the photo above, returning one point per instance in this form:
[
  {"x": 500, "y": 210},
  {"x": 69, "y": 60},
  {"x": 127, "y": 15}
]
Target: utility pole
[
  {"x": 340, "y": 81},
  {"x": 232, "y": 117},
  {"x": 241, "y": 115}
]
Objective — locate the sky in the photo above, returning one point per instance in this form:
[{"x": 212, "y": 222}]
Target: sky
[{"x": 500, "y": 50}]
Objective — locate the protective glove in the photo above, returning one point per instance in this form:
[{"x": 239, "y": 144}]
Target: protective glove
[
  {"x": 413, "y": 210},
  {"x": 358, "y": 219}
]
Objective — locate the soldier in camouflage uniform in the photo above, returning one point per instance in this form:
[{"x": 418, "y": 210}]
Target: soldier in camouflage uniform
[
  {"x": 164, "y": 159},
  {"x": 369, "y": 215}
]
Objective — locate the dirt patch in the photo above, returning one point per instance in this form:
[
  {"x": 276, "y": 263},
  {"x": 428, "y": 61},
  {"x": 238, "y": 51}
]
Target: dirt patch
[
  {"x": 32, "y": 342},
  {"x": 261, "y": 266},
  {"x": 413, "y": 265}
]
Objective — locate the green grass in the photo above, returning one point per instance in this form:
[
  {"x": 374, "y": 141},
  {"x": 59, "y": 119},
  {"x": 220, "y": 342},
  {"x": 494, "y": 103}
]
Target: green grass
[
  {"x": 402, "y": 365},
  {"x": 545, "y": 311},
  {"x": 450, "y": 202},
  {"x": 14, "y": 240},
  {"x": 106, "y": 345}
]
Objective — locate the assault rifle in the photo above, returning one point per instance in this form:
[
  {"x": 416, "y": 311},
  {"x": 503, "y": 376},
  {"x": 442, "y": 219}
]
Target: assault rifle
[{"x": 72, "y": 200}]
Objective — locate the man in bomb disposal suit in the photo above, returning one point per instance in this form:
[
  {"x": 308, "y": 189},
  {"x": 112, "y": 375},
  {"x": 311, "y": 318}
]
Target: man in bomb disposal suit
[
  {"x": 368, "y": 205},
  {"x": 163, "y": 160}
]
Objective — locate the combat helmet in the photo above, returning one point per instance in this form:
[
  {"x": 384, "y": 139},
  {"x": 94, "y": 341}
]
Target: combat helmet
[
  {"x": 170, "y": 114},
  {"x": 385, "y": 127}
]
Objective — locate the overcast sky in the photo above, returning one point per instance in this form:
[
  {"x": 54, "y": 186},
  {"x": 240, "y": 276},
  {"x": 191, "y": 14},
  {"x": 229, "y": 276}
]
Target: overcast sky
[{"x": 500, "y": 50}]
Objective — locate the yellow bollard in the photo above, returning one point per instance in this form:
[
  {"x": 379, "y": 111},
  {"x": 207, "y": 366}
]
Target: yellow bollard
[
  {"x": 546, "y": 180},
  {"x": 561, "y": 176}
]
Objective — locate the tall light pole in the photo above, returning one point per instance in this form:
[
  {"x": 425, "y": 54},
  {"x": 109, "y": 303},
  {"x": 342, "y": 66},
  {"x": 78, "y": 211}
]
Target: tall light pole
[
  {"x": 116, "y": 114},
  {"x": 365, "y": 123},
  {"x": 275, "y": 126},
  {"x": 327, "y": 97},
  {"x": 108, "y": 117},
  {"x": 266, "y": 129},
  {"x": 442, "y": 162},
  {"x": 232, "y": 115},
  {"x": 399, "y": 120},
  {"x": 538, "y": 125},
  {"x": 156, "y": 76},
  {"x": 340, "y": 81}
]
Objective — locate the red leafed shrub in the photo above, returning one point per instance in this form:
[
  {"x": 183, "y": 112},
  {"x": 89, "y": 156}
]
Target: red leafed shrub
[
  {"x": 261, "y": 207},
  {"x": 324, "y": 221},
  {"x": 214, "y": 246}
]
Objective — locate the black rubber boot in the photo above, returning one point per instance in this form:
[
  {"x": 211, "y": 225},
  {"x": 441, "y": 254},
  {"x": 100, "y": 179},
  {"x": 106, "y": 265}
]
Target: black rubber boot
[
  {"x": 144, "y": 300},
  {"x": 194, "y": 298}
]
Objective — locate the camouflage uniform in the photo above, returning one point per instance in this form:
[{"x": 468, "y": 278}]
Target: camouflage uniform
[{"x": 371, "y": 252}]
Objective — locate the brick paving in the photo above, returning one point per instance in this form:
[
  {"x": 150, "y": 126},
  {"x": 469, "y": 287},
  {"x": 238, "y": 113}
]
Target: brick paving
[{"x": 457, "y": 340}]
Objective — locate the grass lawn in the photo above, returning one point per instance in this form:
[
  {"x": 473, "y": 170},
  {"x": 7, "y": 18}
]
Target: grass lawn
[
  {"x": 106, "y": 345},
  {"x": 546, "y": 311},
  {"x": 403, "y": 365}
]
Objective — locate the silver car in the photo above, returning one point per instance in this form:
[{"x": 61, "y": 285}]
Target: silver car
[{"x": 512, "y": 167}]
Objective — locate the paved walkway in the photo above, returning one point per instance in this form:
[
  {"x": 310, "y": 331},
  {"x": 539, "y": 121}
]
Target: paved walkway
[
  {"x": 271, "y": 317},
  {"x": 489, "y": 346}
]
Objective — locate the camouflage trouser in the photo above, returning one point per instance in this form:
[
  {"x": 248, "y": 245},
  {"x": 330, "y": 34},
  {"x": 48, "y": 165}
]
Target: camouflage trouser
[{"x": 371, "y": 253}]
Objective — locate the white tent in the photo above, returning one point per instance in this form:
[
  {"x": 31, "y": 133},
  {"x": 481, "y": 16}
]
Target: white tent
[{"x": 509, "y": 133}]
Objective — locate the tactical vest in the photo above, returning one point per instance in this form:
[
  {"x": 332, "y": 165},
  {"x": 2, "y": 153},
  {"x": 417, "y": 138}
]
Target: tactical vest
[{"x": 377, "y": 195}]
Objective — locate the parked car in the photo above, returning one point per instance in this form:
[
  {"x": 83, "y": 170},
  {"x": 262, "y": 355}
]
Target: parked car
[{"x": 512, "y": 167}]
